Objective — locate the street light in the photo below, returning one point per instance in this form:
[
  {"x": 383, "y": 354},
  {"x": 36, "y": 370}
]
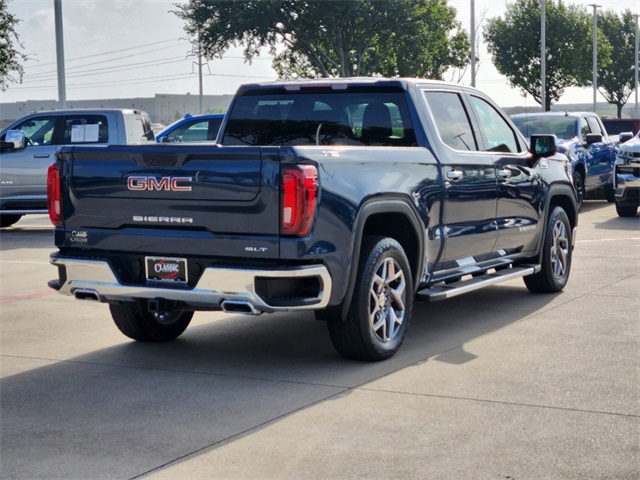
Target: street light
[
  {"x": 636, "y": 66},
  {"x": 595, "y": 53},
  {"x": 473, "y": 43},
  {"x": 543, "y": 56}
]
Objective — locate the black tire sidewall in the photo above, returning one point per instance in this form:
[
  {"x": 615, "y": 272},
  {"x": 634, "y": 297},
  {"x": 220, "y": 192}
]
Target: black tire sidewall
[
  {"x": 375, "y": 251},
  {"x": 556, "y": 284}
]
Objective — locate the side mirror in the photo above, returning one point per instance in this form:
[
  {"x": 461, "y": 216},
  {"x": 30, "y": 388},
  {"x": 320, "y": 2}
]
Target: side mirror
[
  {"x": 15, "y": 139},
  {"x": 165, "y": 139},
  {"x": 625, "y": 136},
  {"x": 543, "y": 145},
  {"x": 594, "y": 138}
]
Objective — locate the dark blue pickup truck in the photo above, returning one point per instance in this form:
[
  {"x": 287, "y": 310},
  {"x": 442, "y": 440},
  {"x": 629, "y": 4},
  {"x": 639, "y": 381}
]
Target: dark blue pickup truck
[{"x": 349, "y": 197}]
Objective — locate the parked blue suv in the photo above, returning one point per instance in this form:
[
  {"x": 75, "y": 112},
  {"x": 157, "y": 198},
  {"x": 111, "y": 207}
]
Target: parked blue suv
[
  {"x": 192, "y": 128},
  {"x": 584, "y": 140}
]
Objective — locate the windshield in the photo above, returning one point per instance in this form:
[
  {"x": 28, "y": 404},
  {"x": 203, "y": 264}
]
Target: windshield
[{"x": 562, "y": 127}]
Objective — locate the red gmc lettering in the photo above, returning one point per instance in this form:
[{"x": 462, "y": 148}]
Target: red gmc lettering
[{"x": 164, "y": 183}]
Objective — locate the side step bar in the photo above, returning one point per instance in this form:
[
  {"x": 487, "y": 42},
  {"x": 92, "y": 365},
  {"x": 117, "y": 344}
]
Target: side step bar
[{"x": 443, "y": 291}]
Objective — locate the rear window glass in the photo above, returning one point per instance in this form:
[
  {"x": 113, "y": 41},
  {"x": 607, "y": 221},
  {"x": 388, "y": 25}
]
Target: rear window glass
[
  {"x": 345, "y": 118},
  {"x": 83, "y": 128}
]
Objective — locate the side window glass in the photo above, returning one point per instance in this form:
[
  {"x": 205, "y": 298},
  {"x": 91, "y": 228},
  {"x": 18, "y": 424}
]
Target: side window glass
[
  {"x": 38, "y": 130},
  {"x": 451, "y": 120},
  {"x": 497, "y": 132},
  {"x": 584, "y": 129},
  {"x": 85, "y": 129},
  {"x": 594, "y": 125}
]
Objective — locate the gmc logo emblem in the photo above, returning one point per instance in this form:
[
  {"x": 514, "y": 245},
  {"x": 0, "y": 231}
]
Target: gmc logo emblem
[{"x": 171, "y": 184}]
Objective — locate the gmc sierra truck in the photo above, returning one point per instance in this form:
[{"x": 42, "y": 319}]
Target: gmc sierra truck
[
  {"x": 28, "y": 146},
  {"x": 348, "y": 197}
]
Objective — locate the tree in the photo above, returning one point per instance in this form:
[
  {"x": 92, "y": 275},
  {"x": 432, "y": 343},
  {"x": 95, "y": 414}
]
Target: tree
[
  {"x": 616, "y": 82},
  {"x": 10, "y": 68},
  {"x": 334, "y": 38},
  {"x": 515, "y": 45}
]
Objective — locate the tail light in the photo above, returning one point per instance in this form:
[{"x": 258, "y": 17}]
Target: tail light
[
  {"x": 299, "y": 198},
  {"x": 54, "y": 199}
]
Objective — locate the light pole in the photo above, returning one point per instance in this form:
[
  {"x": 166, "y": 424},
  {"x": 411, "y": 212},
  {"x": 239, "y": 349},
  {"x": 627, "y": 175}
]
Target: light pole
[
  {"x": 636, "y": 67},
  {"x": 473, "y": 43},
  {"x": 595, "y": 53},
  {"x": 62, "y": 88},
  {"x": 543, "y": 56}
]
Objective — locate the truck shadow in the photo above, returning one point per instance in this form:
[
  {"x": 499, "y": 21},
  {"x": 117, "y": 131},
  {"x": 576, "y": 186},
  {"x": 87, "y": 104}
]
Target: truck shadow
[{"x": 142, "y": 406}]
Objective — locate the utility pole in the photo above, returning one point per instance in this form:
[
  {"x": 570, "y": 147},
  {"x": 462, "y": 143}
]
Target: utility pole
[
  {"x": 595, "y": 53},
  {"x": 543, "y": 56},
  {"x": 62, "y": 88},
  {"x": 473, "y": 43}
]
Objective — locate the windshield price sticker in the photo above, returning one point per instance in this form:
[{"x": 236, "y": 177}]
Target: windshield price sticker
[{"x": 165, "y": 269}]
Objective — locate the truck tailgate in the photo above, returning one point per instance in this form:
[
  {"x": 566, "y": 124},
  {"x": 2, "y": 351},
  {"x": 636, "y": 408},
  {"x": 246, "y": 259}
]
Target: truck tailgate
[{"x": 191, "y": 189}]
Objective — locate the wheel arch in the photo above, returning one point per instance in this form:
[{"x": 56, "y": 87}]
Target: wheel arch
[
  {"x": 395, "y": 218},
  {"x": 559, "y": 196}
]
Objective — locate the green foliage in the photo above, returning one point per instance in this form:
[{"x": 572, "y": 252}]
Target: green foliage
[
  {"x": 515, "y": 45},
  {"x": 10, "y": 68},
  {"x": 616, "y": 82},
  {"x": 334, "y": 38}
]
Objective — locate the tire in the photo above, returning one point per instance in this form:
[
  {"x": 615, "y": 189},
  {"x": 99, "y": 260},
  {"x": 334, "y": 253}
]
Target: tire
[
  {"x": 556, "y": 256},
  {"x": 8, "y": 220},
  {"x": 626, "y": 210},
  {"x": 578, "y": 184},
  {"x": 609, "y": 193},
  {"x": 135, "y": 321},
  {"x": 382, "y": 303}
]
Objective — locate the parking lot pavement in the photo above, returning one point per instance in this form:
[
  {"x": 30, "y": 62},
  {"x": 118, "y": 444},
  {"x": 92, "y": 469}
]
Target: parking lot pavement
[{"x": 497, "y": 384}]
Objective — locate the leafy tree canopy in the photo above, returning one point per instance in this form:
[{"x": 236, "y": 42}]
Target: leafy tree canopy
[
  {"x": 334, "y": 38},
  {"x": 10, "y": 68},
  {"x": 515, "y": 45},
  {"x": 616, "y": 82}
]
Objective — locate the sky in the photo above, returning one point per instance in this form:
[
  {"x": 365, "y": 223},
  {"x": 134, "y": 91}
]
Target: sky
[{"x": 125, "y": 48}]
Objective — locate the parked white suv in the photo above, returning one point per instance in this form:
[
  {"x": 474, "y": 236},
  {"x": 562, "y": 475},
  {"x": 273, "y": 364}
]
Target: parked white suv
[{"x": 627, "y": 176}]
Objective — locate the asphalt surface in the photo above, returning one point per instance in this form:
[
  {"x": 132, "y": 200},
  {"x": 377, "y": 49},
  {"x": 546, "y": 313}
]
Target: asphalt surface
[{"x": 497, "y": 384}]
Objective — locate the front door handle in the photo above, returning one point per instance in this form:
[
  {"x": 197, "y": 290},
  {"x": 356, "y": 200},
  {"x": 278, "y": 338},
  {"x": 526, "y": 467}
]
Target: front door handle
[
  {"x": 454, "y": 175},
  {"x": 41, "y": 155}
]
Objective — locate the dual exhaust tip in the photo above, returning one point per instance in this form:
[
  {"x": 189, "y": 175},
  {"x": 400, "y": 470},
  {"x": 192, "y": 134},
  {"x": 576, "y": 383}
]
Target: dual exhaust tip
[{"x": 228, "y": 306}]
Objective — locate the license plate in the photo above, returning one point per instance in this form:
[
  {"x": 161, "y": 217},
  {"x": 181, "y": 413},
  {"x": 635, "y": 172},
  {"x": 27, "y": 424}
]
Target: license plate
[{"x": 164, "y": 269}]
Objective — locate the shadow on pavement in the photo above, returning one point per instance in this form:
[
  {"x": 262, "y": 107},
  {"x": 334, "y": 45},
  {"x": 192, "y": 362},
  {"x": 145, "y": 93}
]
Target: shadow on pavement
[{"x": 125, "y": 410}]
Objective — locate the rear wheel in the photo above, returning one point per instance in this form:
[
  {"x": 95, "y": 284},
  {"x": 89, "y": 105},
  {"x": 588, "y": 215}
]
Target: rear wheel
[
  {"x": 626, "y": 210},
  {"x": 136, "y": 321},
  {"x": 379, "y": 314},
  {"x": 556, "y": 256},
  {"x": 8, "y": 220}
]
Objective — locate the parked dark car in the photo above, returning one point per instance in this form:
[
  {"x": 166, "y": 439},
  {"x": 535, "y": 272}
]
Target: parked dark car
[
  {"x": 584, "y": 140},
  {"x": 192, "y": 128}
]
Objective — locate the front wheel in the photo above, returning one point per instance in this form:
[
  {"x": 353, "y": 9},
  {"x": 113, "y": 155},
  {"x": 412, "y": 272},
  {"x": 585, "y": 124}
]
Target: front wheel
[
  {"x": 136, "y": 321},
  {"x": 379, "y": 314},
  {"x": 556, "y": 256},
  {"x": 578, "y": 184},
  {"x": 626, "y": 210}
]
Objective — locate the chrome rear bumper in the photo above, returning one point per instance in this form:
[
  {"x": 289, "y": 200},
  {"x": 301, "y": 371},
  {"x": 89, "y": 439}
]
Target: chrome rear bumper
[{"x": 95, "y": 280}]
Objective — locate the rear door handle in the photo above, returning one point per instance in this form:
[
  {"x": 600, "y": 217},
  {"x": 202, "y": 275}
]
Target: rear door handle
[
  {"x": 41, "y": 155},
  {"x": 454, "y": 175}
]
